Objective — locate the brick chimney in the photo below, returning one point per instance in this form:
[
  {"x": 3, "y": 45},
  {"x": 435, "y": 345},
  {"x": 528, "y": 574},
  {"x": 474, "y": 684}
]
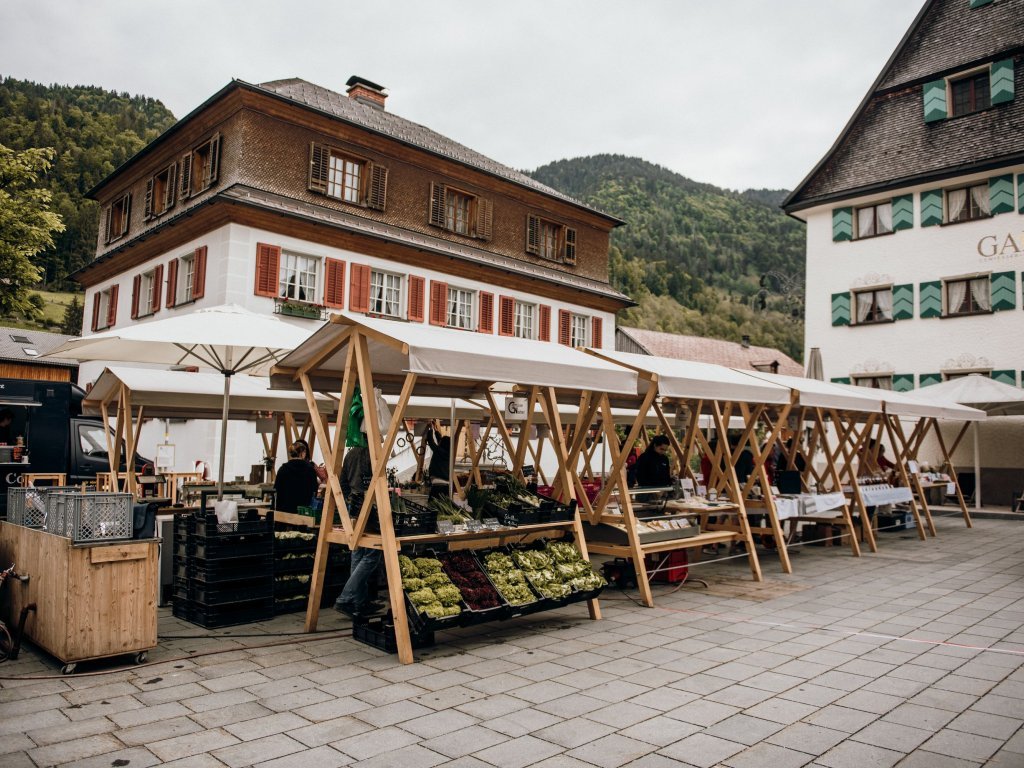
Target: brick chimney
[
  {"x": 366, "y": 92},
  {"x": 746, "y": 341}
]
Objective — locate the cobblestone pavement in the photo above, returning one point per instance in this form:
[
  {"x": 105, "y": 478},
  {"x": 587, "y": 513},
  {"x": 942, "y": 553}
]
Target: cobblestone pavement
[{"x": 911, "y": 657}]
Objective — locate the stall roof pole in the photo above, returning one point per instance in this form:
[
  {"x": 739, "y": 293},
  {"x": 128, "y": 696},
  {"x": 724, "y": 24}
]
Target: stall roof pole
[
  {"x": 733, "y": 484},
  {"x": 901, "y": 459},
  {"x": 844, "y": 431},
  {"x": 619, "y": 463},
  {"x": 760, "y": 474},
  {"x": 947, "y": 458},
  {"x": 911, "y": 447}
]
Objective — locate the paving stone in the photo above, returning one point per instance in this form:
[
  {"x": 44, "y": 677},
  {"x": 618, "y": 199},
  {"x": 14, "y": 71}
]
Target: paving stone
[
  {"x": 375, "y": 742},
  {"x": 1000, "y": 705},
  {"x": 702, "y": 712},
  {"x": 924, "y": 759},
  {"x": 702, "y": 750},
  {"x": 781, "y": 711},
  {"x": 815, "y": 695},
  {"x": 136, "y": 757},
  {"x": 208, "y": 701},
  {"x": 739, "y": 696},
  {"x": 664, "y": 699},
  {"x": 622, "y": 715},
  {"x": 413, "y": 756},
  {"x": 18, "y": 760},
  {"x": 464, "y": 741},
  {"x": 68, "y": 731},
  {"x": 328, "y": 731},
  {"x": 852, "y": 754},
  {"x": 321, "y": 757},
  {"x": 841, "y": 718},
  {"x": 218, "y": 718},
  {"x": 763, "y": 755},
  {"x": 744, "y": 729},
  {"x": 328, "y": 710},
  {"x": 438, "y": 723},
  {"x": 805, "y": 737},
  {"x": 576, "y": 732},
  {"x": 158, "y": 731},
  {"x": 258, "y": 750},
  {"x": 660, "y": 731},
  {"x": 518, "y": 753},
  {"x": 966, "y": 746},
  {"x": 568, "y": 706},
  {"x": 248, "y": 730},
  {"x": 928, "y": 718},
  {"x": 612, "y": 751},
  {"x": 390, "y": 714},
  {"x": 501, "y": 704},
  {"x": 868, "y": 701},
  {"x": 191, "y": 744},
  {"x": 900, "y": 738},
  {"x": 522, "y": 722}
]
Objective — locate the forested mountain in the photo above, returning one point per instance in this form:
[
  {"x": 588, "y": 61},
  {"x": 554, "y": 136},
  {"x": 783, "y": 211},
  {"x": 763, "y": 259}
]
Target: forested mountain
[
  {"x": 692, "y": 254},
  {"x": 92, "y": 131}
]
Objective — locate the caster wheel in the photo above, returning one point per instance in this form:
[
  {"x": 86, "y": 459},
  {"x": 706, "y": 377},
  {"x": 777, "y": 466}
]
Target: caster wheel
[
  {"x": 68, "y": 669},
  {"x": 140, "y": 658}
]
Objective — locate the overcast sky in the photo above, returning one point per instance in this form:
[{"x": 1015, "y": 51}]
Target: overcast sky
[{"x": 738, "y": 93}]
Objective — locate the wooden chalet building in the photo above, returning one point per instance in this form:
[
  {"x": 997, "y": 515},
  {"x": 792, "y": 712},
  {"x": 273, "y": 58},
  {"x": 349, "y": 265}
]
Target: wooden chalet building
[{"x": 288, "y": 197}]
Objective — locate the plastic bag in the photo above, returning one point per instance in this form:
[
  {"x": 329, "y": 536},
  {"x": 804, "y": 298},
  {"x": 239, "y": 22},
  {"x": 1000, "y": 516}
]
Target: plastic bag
[
  {"x": 383, "y": 413},
  {"x": 227, "y": 511}
]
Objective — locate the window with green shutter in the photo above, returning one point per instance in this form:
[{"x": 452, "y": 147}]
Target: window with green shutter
[
  {"x": 1005, "y": 377},
  {"x": 1004, "y": 291},
  {"x": 840, "y": 380},
  {"x": 1001, "y": 81},
  {"x": 903, "y": 302},
  {"x": 903, "y": 382},
  {"x": 931, "y": 207},
  {"x": 935, "y": 101},
  {"x": 927, "y": 379},
  {"x": 842, "y": 224},
  {"x": 1000, "y": 194},
  {"x": 930, "y": 299},
  {"x": 979, "y": 3},
  {"x": 1020, "y": 193},
  {"x": 841, "y": 308},
  {"x": 902, "y": 212}
]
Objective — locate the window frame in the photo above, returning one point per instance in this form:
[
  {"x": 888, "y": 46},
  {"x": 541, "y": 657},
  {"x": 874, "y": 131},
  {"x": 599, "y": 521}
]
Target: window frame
[
  {"x": 971, "y": 77},
  {"x": 297, "y": 256},
  {"x": 347, "y": 157},
  {"x": 968, "y": 296},
  {"x": 452, "y": 195},
  {"x": 534, "y": 319},
  {"x": 968, "y": 207},
  {"x": 103, "y": 316},
  {"x": 471, "y": 303},
  {"x": 558, "y": 244},
  {"x": 145, "y": 298},
  {"x": 399, "y": 302},
  {"x": 585, "y": 321},
  {"x": 874, "y": 207},
  {"x": 961, "y": 373},
  {"x": 858, "y": 378},
  {"x": 123, "y": 205},
  {"x": 183, "y": 288},
  {"x": 856, "y": 294}
]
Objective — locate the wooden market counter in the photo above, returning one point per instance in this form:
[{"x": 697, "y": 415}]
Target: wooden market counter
[{"x": 93, "y": 601}]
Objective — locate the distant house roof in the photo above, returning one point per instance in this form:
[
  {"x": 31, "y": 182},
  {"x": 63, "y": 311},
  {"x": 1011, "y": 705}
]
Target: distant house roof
[
  {"x": 21, "y": 346},
  {"x": 887, "y": 144},
  {"x": 717, "y": 351}
]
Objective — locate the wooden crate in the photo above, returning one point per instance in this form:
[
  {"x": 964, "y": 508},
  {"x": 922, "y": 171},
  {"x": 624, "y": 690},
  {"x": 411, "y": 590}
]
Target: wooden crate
[{"x": 92, "y": 601}]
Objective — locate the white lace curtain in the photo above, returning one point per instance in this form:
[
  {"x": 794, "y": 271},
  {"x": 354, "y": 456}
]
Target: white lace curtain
[
  {"x": 981, "y": 292},
  {"x": 864, "y": 307},
  {"x": 885, "y": 218},
  {"x": 980, "y": 196},
  {"x": 866, "y": 222},
  {"x": 955, "y": 295},
  {"x": 956, "y": 199},
  {"x": 883, "y": 301}
]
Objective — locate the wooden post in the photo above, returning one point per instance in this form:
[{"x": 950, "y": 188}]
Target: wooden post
[
  {"x": 947, "y": 459},
  {"x": 901, "y": 466}
]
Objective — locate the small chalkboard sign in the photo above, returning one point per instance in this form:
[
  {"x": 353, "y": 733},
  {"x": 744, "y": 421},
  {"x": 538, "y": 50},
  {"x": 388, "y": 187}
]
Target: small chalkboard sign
[
  {"x": 445, "y": 527},
  {"x": 491, "y": 523},
  {"x": 474, "y": 525}
]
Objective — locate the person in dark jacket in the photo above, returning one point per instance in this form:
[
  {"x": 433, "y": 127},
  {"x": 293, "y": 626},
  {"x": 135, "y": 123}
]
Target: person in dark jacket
[
  {"x": 652, "y": 467},
  {"x": 296, "y": 483},
  {"x": 354, "y": 600},
  {"x": 440, "y": 461}
]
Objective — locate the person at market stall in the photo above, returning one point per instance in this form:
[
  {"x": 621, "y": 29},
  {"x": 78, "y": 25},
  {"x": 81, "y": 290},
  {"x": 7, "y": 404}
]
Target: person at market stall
[
  {"x": 296, "y": 483},
  {"x": 356, "y": 474},
  {"x": 6, "y": 417},
  {"x": 653, "y": 469},
  {"x": 320, "y": 469},
  {"x": 440, "y": 461}
]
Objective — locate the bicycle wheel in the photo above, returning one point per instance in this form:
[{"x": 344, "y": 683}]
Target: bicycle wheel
[{"x": 6, "y": 644}]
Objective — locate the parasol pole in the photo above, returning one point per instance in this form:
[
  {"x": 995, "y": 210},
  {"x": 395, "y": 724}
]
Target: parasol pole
[
  {"x": 228, "y": 373},
  {"x": 977, "y": 469}
]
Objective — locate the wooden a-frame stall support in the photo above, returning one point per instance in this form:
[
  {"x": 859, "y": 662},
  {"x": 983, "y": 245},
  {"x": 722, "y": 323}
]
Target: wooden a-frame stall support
[{"x": 404, "y": 358}]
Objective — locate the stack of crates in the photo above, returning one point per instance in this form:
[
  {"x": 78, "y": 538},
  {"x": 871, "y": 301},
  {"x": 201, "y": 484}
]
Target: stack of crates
[
  {"x": 223, "y": 573},
  {"x": 294, "y": 558}
]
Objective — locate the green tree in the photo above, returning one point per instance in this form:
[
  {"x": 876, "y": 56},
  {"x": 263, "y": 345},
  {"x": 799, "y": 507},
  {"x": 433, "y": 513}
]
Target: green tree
[
  {"x": 71, "y": 323},
  {"x": 27, "y": 226}
]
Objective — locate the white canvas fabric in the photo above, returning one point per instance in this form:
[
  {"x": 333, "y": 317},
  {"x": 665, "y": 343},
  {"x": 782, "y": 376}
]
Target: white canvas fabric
[
  {"x": 823, "y": 394},
  {"x": 975, "y": 391}
]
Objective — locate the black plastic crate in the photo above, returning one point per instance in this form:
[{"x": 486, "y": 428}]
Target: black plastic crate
[
  {"x": 292, "y": 604},
  {"x": 414, "y": 520},
  {"x": 470, "y": 616},
  {"x": 285, "y": 587},
  {"x": 378, "y": 634},
  {"x": 231, "y": 613},
  {"x": 226, "y": 548},
  {"x": 231, "y": 592},
  {"x": 249, "y": 523},
  {"x": 214, "y": 571},
  {"x": 294, "y": 544},
  {"x": 537, "y": 604}
]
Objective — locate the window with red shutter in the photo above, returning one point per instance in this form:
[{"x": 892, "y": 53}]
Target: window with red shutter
[
  {"x": 486, "y": 324},
  {"x": 596, "y": 332},
  {"x": 157, "y": 289},
  {"x": 565, "y": 327},
  {"x": 544, "y": 323},
  {"x": 438, "y": 303},
  {"x": 268, "y": 261},
  {"x": 334, "y": 283},
  {"x": 506, "y": 316},
  {"x": 136, "y": 287},
  {"x": 417, "y": 289},
  {"x": 199, "y": 273},
  {"x": 359, "y": 288},
  {"x": 96, "y": 311},
  {"x": 172, "y": 284},
  {"x": 112, "y": 307}
]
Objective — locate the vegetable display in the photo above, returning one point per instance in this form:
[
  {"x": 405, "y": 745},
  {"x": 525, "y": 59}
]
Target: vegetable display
[
  {"x": 428, "y": 587},
  {"x": 540, "y": 570},
  {"x": 476, "y": 590},
  {"x": 510, "y": 581},
  {"x": 447, "y": 510},
  {"x": 571, "y": 567},
  {"x": 509, "y": 491}
]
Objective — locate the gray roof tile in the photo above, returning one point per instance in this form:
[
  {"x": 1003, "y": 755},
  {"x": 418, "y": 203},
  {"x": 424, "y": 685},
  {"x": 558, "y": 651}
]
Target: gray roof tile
[{"x": 40, "y": 341}]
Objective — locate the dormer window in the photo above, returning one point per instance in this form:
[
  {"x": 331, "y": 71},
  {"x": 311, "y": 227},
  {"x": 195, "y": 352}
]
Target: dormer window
[
  {"x": 117, "y": 215},
  {"x": 970, "y": 94},
  {"x": 347, "y": 177},
  {"x": 199, "y": 169},
  {"x": 550, "y": 240},
  {"x": 160, "y": 192},
  {"x": 460, "y": 212}
]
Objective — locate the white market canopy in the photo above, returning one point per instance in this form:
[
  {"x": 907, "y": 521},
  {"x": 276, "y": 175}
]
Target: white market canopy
[
  {"x": 177, "y": 394},
  {"x": 822, "y": 394},
  {"x": 909, "y": 405},
  {"x": 690, "y": 380},
  {"x": 977, "y": 391},
  {"x": 446, "y": 362}
]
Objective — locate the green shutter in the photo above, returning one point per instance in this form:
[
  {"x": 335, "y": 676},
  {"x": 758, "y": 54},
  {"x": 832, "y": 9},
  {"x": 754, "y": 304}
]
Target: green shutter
[
  {"x": 841, "y": 380},
  {"x": 1001, "y": 81},
  {"x": 979, "y": 3},
  {"x": 903, "y": 302},
  {"x": 842, "y": 224},
  {"x": 1020, "y": 193},
  {"x": 903, "y": 382},
  {"x": 1005, "y": 377},
  {"x": 1000, "y": 194},
  {"x": 927, "y": 379},
  {"x": 931, "y": 207},
  {"x": 841, "y": 308},
  {"x": 930, "y": 299},
  {"x": 1004, "y": 291},
  {"x": 902, "y": 212},
  {"x": 935, "y": 101}
]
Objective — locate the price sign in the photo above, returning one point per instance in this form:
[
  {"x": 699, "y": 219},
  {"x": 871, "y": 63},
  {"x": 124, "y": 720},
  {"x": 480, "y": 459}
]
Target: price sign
[
  {"x": 445, "y": 527},
  {"x": 474, "y": 525},
  {"x": 491, "y": 523}
]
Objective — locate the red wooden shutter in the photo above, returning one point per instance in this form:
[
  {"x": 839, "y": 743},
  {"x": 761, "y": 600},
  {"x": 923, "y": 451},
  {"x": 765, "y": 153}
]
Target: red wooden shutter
[
  {"x": 506, "y": 316},
  {"x": 570, "y": 246},
  {"x": 96, "y": 310},
  {"x": 148, "y": 212},
  {"x": 484, "y": 218},
  {"x": 438, "y": 200},
  {"x": 199, "y": 273},
  {"x": 268, "y": 266},
  {"x": 596, "y": 332},
  {"x": 565, "y": 327},
  {"x": 108, "y": 215},
  {"x": 532, "y": 235},
  {"x": 213, "y": 162},
  {"x": 172, "y": 283},
  {"x": 486, "y": 312},
  {"x": 112, "y": 309},
  {"x": 417, "y": 289},
  {"x": 136, "y": 286},
  {"x": 169, "y": 189},
  {"x": 158, "y": 289},
  {"x": 334, "y": 283},
  {"x": 438, "y": 303},
  {"x": 319, "y": 165},
  {"x": 185, "y": 177},
  {"x": 544, "y": 323},
  {"x": 377, "y": 195},
  {"x": 359, "y": 288}
]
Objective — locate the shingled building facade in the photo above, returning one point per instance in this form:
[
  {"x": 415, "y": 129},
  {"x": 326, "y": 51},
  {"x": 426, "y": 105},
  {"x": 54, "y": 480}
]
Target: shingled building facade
[{"x": 915, "y": 217}]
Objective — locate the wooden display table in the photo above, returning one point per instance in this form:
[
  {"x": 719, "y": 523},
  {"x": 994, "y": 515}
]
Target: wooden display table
[{"x": 93, "y": 601}]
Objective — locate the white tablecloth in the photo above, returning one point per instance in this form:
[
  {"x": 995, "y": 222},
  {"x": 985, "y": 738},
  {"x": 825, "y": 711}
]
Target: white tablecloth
[
  {"x": 809, "y": 504},
  {"x": 876, "y": 495}
]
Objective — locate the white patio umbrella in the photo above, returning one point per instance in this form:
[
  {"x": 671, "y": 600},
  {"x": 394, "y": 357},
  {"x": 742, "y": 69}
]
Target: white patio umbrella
[
  {"x": 983, "y": 393},
  {"x": 815, "y": 369},
  {"x": 227, "y": 338}
]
